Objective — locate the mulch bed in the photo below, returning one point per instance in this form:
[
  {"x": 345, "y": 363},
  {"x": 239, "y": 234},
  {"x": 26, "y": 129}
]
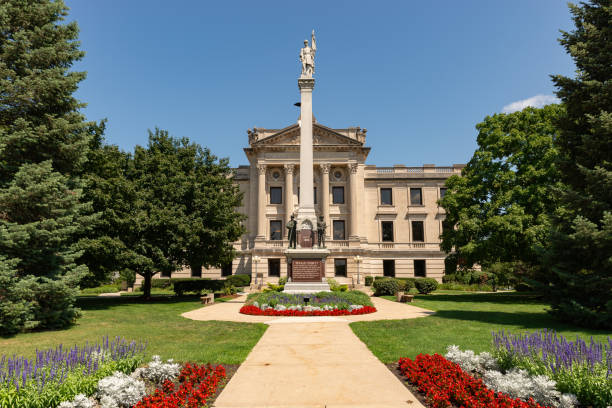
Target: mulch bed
[{"x": 394, "y": 368}]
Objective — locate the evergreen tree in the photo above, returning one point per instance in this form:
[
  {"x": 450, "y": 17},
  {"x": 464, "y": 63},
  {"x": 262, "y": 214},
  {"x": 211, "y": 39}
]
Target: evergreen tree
[
  {"x": 43, "y": 142},
  {"x": 497, "y": 210},
  {"x": 579, "y": 263}
]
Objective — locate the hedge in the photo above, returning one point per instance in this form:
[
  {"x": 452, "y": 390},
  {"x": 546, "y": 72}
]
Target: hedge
[
  {"x": 197, "y": 285},
  {"x": 387, "y": 286},
  {"x": 426, "y": 285},
  {"x": 369, "y": 280}
]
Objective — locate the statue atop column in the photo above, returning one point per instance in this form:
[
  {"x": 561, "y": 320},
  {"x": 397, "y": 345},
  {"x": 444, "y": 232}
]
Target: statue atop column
[{"x": 307, "y": 57}]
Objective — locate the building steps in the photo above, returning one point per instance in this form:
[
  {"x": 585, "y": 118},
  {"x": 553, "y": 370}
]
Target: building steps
[{"x": 306, "y": 287}]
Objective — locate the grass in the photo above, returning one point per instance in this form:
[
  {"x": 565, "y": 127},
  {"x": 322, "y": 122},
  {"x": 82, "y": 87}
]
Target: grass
[
  {"x": 462, "y": 318},
  {"x": 158, "y": 322}
]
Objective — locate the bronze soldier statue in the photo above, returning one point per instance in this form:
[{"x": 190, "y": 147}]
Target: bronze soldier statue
[
  {"x": 321, "y": 226},
  {"x": 292, "y": 235}
]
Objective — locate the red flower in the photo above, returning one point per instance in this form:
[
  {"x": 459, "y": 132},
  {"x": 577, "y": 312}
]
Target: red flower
[
  {"x": 445, "y": 384},
  {"x": 254, "y": 310},
  {"x": 196, "y": 384}
]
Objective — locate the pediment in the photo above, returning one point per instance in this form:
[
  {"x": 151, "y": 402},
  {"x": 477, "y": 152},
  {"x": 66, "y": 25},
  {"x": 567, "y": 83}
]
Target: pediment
[{"x": 322, "y": 136}]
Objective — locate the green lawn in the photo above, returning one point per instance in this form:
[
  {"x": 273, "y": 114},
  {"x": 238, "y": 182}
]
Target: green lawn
[
  {"x": 465, "y": 319},
  {"x": 158, "y": 322}
]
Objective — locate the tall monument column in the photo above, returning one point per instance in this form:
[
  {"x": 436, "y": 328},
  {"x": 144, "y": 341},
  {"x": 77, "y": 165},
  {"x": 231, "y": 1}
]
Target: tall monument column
[
  {"x": 306, "y": 217},
  {"x": 306, "y": 265}
]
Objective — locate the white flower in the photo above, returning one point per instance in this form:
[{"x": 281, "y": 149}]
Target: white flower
[
  {"x": 79, "y": 401},
  {"x": 124, "y": 390},
  {"x": 157, "y": 371}
]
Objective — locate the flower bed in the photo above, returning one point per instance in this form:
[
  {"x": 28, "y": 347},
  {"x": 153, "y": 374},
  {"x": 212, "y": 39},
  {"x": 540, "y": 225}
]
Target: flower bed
[
  {"x": 318, "y": 304},
  {"x": 197, "y": 383},
  {"x": 578, "y": 367},
  {"x": 254, "y": 310},
  {"x": 59, "y": 374},
  {"x": 445, "y": 384}
]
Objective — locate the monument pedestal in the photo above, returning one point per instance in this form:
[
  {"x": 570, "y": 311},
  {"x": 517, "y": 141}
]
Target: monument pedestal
[{"x": 306, "y": 270}]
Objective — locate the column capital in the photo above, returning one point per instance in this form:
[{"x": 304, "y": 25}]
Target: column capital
[
  {"x": 261, "y": 168},
  {"x": 325, "y": 168},
  {"x": 289, "y": 168},
  {"x": 306, "y": 83},
  {"x": 353, "y": 167}
]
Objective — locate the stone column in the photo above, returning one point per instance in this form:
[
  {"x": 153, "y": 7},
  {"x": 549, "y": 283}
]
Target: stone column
[
  {"x": 354, "y": 230},
  {"x": 289, "y": 169},
  {"x": 306, "y": 210},
  {"x": 253, "y": 201},
  {"x": 325, "y": 195},
  {"x": 262, "y": 201}
]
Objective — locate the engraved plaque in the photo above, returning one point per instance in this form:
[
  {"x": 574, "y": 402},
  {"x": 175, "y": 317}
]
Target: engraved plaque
[{"x": 306, "y": 270}]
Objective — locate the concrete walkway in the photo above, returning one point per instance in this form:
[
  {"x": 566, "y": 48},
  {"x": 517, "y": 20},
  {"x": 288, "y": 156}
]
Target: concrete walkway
[{"x": 312, "y": 362}]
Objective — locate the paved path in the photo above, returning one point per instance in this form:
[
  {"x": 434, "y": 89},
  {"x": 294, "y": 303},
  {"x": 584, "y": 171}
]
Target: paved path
[{"x": 312, "y": 362}]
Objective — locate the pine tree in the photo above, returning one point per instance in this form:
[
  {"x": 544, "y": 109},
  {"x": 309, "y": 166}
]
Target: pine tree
[
  {"x": 43, "y": 145},
  {"x": 579, "y": 263}
]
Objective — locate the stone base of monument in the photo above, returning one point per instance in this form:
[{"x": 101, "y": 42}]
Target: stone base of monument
[
  {"x": 306, "y": 287},
  {"x": 306, "y": 270}
]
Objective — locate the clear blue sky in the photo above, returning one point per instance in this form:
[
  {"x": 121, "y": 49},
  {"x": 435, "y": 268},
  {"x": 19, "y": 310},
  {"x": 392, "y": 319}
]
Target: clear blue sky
[{"x": 418, "y": 75}]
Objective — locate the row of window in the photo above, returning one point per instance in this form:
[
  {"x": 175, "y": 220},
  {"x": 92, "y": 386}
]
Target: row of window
[
  {"x": 276, "y": 195},
  {"x": 386, "y": 195},
  {"x": 339, "y": 230},
  {"x": 274, "y": 267},
  {"x": 340, "y": 267},
  {"x": 416, "y": 195}
]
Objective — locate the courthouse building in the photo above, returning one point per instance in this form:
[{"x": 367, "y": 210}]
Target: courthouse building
[{"x": 381, "y": 221}]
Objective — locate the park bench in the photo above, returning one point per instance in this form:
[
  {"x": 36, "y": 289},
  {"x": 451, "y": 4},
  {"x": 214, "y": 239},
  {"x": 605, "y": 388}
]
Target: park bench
[
  {"x": 404, "y": 297},
  {"x": 208, "y": 299}
]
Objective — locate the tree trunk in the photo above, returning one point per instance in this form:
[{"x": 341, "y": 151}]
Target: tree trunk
[{"x": 146, "y": 285}]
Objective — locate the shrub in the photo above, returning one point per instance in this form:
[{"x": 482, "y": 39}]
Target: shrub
[
  {"x": 196, "y": 285},
  {"x": 101, "y": 289},
  {"x": 406, "y": 283},
  {"x": 450, "y": 278},
  {"x": 239, "y": 280},
  {"x": 426, "y": 285},
  {"x": 54, "y": 304},
  {"x": 387, "y": 286},
  {"x": 229, "y": 290},
  {"x": 161, "y": 283},
  {"x": 334, "y": 286},
  {"x": 523, "y": 287},
  {"x": 369, "y": 280}
]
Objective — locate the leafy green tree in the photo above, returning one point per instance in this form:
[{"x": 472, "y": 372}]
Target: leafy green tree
[
  {"x": 497, "y": 210},
  {"x": 171, "y": 204},
  {"x": 578, "y": 276},
  {"x": 43, "y": 141}
]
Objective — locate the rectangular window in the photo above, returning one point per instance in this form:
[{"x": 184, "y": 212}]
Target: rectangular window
[
  {"x": 416, "y": 196},
  {"x": 386, "y": 196},
  {"x": 339, "y": 230},
  {"x": 276, "y": 233},
  {"x": 419, "y": 268},
  {"x": 338, "y": 194},
  {"x": 387, "y": 231},
  {"x": 196, "y": 272},
  {"x": 418, "y": 235},
  {"x": 276, "y": 195},
  {"x": 442, "y": 192},
  {"x": 340, "y": 267},
  {"x": 274, "y": 267},
  {"x": 226, "y": 270},
  {"x": 165, "y": 274},
  {"x": 389, "y": 267}
]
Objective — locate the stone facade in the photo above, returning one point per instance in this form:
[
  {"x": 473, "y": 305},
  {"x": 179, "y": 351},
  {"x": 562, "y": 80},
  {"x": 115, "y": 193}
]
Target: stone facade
[{"x": 380, "y": 220}]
